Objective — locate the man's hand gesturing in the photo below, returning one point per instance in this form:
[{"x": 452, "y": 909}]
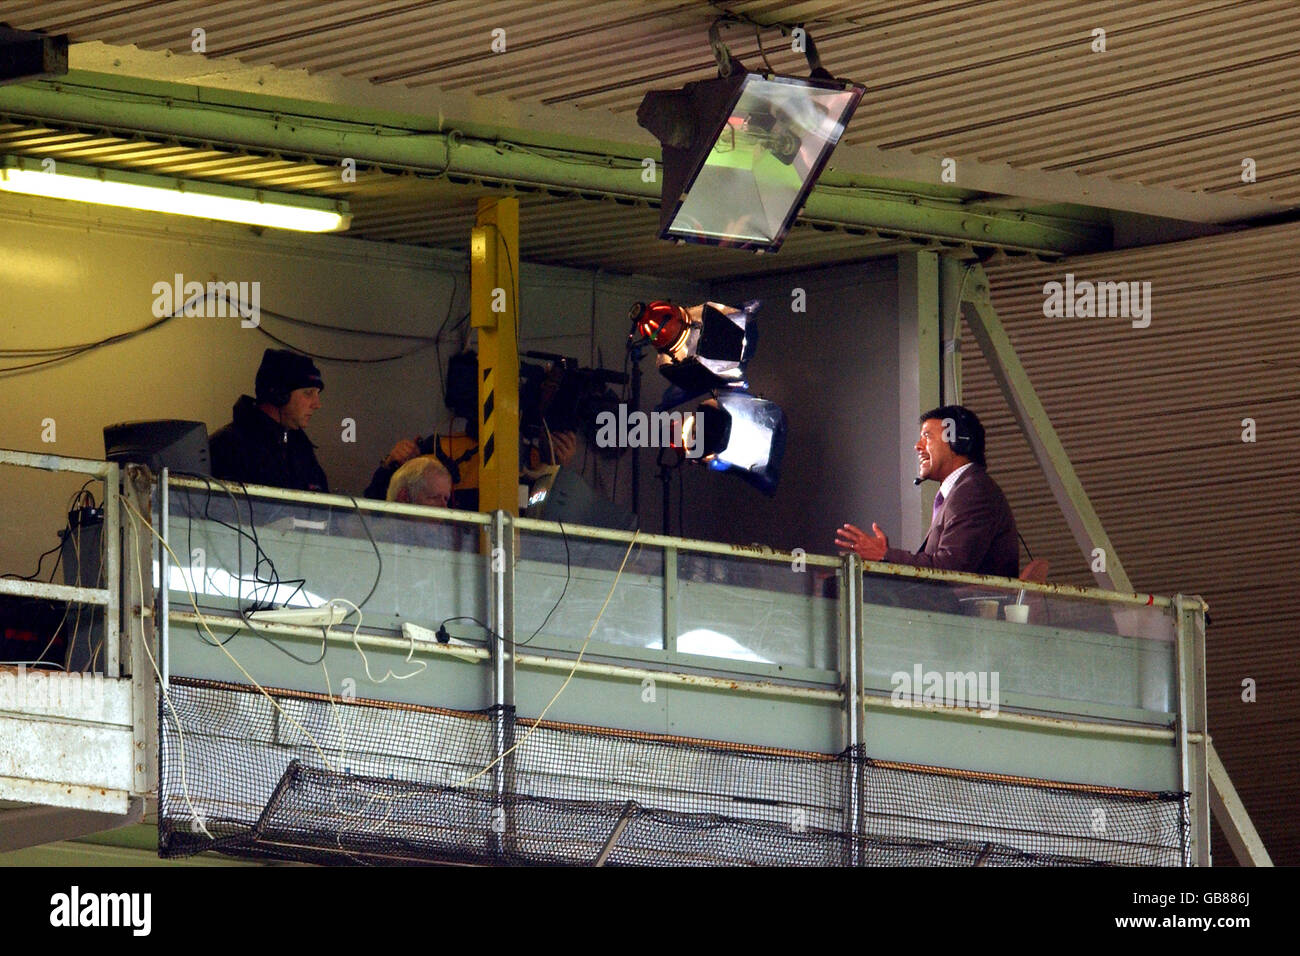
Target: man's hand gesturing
[{"x": 869, "y": 547}]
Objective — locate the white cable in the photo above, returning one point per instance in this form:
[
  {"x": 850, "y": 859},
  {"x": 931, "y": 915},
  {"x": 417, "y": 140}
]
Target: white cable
[
  {"x": 180, "y": 735},
  {"x": 329, "y": 765},
  {"x": 203, "y": 621},
  {"x": 364, "y": 661}
]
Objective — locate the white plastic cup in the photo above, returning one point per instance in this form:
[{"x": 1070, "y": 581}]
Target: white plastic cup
[{"x": 1016, "y": 613}]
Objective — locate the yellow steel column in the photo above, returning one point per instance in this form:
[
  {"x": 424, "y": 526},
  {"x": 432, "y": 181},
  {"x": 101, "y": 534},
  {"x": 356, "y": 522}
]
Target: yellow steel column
[{"x": 494, "y": 311}]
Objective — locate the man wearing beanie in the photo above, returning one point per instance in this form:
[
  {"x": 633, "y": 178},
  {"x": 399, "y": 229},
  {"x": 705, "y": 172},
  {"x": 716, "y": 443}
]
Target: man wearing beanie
[{"x": 265, "y": 443}]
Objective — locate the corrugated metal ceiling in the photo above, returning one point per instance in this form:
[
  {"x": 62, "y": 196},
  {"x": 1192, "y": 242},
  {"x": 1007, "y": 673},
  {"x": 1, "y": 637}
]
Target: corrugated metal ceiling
[{"x": 1180, "y": 96}]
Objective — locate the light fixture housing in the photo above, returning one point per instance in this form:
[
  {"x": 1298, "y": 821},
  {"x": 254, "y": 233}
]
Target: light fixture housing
[
  {"x": 742, "y": 152},
  {"x": 701, "y": 347},
  {"x": 741, "y": 433},
  {"x": 131, "y": 190}
]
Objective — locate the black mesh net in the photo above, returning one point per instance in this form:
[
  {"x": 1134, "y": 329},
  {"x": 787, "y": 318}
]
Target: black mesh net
[{"x": 299, "y": 776}]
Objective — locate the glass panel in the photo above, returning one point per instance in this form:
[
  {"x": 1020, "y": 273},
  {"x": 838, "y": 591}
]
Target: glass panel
[
  {"x": 568, "y": 578},
  {"x": 925, "y": 635},
  {"x": 245, "y": 553},
  {"x": 767, "y": 154},
  {"x": 754, "y": 610}
]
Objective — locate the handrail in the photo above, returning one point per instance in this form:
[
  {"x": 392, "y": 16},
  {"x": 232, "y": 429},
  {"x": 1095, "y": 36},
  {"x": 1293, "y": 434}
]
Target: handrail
[{"x": 758, "y": 552}]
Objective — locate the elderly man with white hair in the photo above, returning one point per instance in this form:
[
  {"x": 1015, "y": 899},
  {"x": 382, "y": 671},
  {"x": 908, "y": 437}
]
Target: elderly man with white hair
[{"x": 422, "y": 481}]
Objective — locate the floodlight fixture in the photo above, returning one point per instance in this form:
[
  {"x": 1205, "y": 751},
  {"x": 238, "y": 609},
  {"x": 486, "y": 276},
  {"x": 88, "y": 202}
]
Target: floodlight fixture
[
  {"x": 701, "y": 347},
  {"x": 257, "y": 207},
  {"x": 742, "y": 152},
  {"x": 741, "y": 433}
]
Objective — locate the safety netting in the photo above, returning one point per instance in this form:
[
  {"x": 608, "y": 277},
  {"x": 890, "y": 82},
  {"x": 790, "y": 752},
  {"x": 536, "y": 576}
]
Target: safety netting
[{"x": 292, "y": 775}]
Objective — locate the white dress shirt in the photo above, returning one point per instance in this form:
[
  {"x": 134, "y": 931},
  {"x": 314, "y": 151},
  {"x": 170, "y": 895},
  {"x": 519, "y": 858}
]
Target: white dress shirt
[{"x": 951, "y": 480}]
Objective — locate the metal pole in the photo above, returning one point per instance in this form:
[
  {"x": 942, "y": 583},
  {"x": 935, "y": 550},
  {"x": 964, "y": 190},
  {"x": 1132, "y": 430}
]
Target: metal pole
[
  {"x": 1180, "y": 731},
  {"x": 670, "y": 600},
  {"x": 164, "y": 581},
  {"x": 851, "y": 648},
  {"x": 635, "y": 356},
  {"x": 501, "y": 565},
  {"x": 1192, "y": 736},
  {"x": 113, "y": 543},
  {"x": 1046, "y": 445},
  {"x": 624, "y": 819}
]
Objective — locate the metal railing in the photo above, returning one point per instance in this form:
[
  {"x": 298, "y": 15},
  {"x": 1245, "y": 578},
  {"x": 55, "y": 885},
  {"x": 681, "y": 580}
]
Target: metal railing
[{"x": 504, "y": 573}]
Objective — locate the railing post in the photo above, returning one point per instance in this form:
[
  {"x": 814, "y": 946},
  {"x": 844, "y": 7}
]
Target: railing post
[
  {"x": 1193, "y": 759},
  {"x": 501, "y": 564},
  {"x": 851, "y": 681},
  {"x": 138, "y": 603},
  {"x": 164, "y": 580},
  {"x": 670, "y": 599},
  {"x": 113, "y": 542}
]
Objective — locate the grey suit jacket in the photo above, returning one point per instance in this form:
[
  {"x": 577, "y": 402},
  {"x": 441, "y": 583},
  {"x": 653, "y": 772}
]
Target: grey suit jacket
[{"x": 974, "y": 531}]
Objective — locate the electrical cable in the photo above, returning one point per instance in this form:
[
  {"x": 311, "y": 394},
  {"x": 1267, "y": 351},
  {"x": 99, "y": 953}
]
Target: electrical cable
[
  {"x": 37, "y": 573},
  {"x": 568, "y": 571},
  {"x": 758, "y": 38},
  {"x": 274, "y": 582},
  {"x": 51, "y": 355},
  {"x": 162, "y": 686},
  {"x": 378, "y": 557},
  {"x": 135, "y": 515},
  {"x": 74, "y": 503},
  {"x": 343, "y": 360},
  {"x": 203, "y": 622},
  {"x": 569, "y": 677},
  {"x": 365, "y": 663}
]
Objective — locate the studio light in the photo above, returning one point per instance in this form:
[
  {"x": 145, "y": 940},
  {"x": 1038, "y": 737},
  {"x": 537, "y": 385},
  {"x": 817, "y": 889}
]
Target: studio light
[
  {"x": 742, "y": 152},
  {"x": 257, "y": 207},
  {"x": 701, "y": 347},
  {"x": 741, "y": 433}
]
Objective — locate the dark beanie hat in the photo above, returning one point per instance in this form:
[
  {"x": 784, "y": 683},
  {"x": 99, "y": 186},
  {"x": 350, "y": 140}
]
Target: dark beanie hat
[{"x": 281, "y": 372}]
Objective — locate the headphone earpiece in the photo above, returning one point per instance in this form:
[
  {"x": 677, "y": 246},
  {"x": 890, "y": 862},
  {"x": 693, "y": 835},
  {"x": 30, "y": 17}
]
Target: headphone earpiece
[
  {"x": 962, "y": 441},
  {"x": 277, "y": 396}
]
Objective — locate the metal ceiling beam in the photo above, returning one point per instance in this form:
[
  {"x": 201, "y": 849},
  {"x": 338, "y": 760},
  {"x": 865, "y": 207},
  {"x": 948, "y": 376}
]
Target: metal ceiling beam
[
  {"x": 1043, "y": 440},
  {"x": 500, "y": 115},
  {"x": 176, "y": 112}
]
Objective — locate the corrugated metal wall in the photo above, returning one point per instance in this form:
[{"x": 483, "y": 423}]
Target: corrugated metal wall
[{"x": 1152, "y": 419}]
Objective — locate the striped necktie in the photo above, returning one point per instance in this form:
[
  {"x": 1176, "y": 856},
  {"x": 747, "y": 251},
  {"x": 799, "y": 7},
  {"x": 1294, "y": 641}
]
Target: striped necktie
[{"x": 938, "y": 503}]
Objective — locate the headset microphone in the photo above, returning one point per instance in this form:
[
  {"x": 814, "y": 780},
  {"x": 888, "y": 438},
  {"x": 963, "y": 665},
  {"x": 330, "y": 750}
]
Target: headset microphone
[{"x": 917, "y": 481}]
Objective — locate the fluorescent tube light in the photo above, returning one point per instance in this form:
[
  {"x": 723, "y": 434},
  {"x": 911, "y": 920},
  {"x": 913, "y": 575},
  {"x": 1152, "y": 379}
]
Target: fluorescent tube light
[{"x": 111, "y": 187}]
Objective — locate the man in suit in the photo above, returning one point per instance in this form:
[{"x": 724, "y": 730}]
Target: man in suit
[{"x": 971, "y": 528}]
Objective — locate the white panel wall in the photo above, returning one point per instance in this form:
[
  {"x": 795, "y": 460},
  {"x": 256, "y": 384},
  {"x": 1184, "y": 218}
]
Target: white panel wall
[{"x": 72, "y": 274}]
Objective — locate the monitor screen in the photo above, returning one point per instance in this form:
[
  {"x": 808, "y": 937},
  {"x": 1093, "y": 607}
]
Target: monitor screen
[
  {"x": 167, "y": 443},
  {"x": 562, "y": 495}
]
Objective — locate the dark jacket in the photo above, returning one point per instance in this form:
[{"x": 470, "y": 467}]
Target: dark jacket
[
  {"x": 974, "y": 531},
  {"x": 255, "y": 449}
]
